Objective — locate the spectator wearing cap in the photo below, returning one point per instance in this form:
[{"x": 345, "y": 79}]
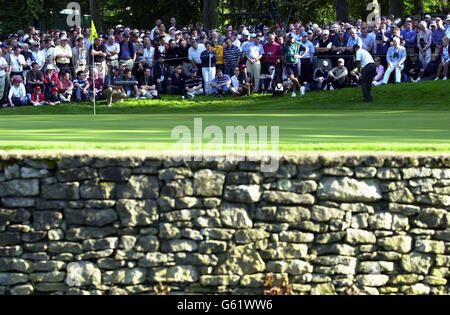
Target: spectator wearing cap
[
  {"x": 63, "y": 55},
  {"x": 161, "y": 74},
  {"x": 131, "y": 89},
  {"x": 221, "y": 84},
  {"x": 232, "y": 56},
  {"x": 437, "y": 36},
  {"x": 254, "y": 54},
  {"x": 339, "y": 48},
  {"x": 17, "y": 63},
  {"x": 209, "y": 61},
  {"x": 235, "y": 39},
  {"x": 245, "y": 42},
  {"x": 177, "y": 82},
  {"x": 4, "y": 68},
  {"x": 323, "y": 48},
  {"x": 219, "y": 51},
  {"x": 194, "y": 54},
  {"x": 267, "y": 80},
  {"x": 35, "y": 77},
  {"x": 53, "y": 99},
  {"x": 80, "y": 56},
  {"x": 338, "y": 75},
  {"x": 38, "y": 55},
  {"x": 112, "y": 91},
  {"x": 307, "y": 59},
  {"x": 112, "y": 54},
  {"x": 37, "y": 97},
  {"x": 409, "y": 36},
  {"x": 97, "y": 52},
  {"x": 445, "y": 61},
  {"x": 127, "y": 54},
  {"x": 396, "y": 57},
  {"x": 272, "y": 55},
  {"x": 193, "y": 84},
  {"x": 291, "y": 60},
  {"x": 51, "y": 79},
  {"x": 17, "y": 94},
  {"x": 173, "y": 56},
  {"x": 321, "y": 77}
]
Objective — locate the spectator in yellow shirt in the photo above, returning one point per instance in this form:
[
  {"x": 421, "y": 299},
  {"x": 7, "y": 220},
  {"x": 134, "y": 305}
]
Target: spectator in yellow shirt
[{"x": 219, "y": 51}]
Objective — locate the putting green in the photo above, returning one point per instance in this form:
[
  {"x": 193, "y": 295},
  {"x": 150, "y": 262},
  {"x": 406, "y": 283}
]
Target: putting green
[{"x": 326, "y": 121}]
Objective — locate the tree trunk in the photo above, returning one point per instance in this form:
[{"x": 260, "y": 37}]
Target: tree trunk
[
  {"x": 341, "y": 10},
  {"x": 419, "y": 7},
  {"x": 96, "y": 14},
  {"x": 210, "y": 14},
  {"x": 397, "y": 8}
]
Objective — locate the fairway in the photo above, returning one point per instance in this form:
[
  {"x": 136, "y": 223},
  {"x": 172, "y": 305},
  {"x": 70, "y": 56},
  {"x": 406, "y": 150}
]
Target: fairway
[{"x": 403, "y": 118}]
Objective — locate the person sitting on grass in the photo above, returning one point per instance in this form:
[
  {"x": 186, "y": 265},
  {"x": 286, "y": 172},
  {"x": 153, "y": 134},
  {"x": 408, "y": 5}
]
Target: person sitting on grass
[
  {"x": 81, "y": 86},
  {"x": 37, "y": 99},
  {"x": 98, "y": 86},
  {"x": 194, "y": 85},
  {"x": 177, "y": 82},
  {"x": 245, "y": 81},
  {"x": 378, "y": 80},
  {"x": 161, "y": 74},
  {"x": 267, "y": 81},
  {"x": 445, "y": 61},
  {"x": 338, "y": 75},
  {"x": 396, "y": 58},
  {"x": 414, "y": 69},
  {"x": 54, "y": 98},
  {"x": 17, "y": 93},
  {"x": 320, "y": 77},
  {"x": 67, "y": 88},
  {"x": 131, "y": 90},
  {"x": 221, "y": 84},
  {"x": 113, "y": 92},
  {"x": 147, "y": 86},
  {"x": 51, "y": 80}
]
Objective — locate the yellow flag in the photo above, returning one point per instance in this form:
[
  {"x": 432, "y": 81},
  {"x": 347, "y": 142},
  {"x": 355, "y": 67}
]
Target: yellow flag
[{"x": 94, "y": 34}]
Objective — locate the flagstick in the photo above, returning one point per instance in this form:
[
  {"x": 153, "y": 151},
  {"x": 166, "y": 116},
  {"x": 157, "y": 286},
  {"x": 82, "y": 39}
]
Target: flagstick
[{"x": 93, "y": 78}]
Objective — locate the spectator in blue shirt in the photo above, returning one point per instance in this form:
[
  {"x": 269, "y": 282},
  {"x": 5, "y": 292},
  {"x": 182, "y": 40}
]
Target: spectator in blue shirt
[
  {"x": 127, "y": 53},
  {"x": 221, "y": 84},
  {"x": 254, "y": 53},
  {"x": 307, "y": 60},
  {"x": 410, "y": 37}
]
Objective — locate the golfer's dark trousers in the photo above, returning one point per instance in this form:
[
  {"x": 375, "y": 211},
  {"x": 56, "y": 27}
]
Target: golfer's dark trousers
[{"x": 369, "y": 72}]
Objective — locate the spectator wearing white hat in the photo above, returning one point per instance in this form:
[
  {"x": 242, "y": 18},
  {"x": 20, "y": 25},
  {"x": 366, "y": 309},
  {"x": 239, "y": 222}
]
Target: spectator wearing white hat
[
  {"x": 321, "y": 76},
  {"x": 323, "y": 48},
  {"x": 17, "y": 94},
  {"x": 63, "y": 55},
  {"x": 338, "y": 75},
  {"x": 396, "y": 58}
]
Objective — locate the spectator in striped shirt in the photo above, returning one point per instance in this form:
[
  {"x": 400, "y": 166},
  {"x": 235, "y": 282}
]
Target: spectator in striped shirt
[
  {"x": 221, "y": 84},
  {"x": 194, "y": 84},
  {"x": 231, "y": 56}
]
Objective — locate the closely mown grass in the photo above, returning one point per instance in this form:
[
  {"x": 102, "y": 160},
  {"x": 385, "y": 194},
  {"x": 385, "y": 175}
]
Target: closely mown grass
[{"x": 403, "y": 118}]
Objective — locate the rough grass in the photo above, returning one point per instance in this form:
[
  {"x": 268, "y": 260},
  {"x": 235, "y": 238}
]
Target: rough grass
[{"x": 403, "y": 118}]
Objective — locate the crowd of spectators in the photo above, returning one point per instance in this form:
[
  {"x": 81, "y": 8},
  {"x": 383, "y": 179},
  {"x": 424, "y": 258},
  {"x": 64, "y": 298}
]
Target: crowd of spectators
[{"x": 48, "y": 68}]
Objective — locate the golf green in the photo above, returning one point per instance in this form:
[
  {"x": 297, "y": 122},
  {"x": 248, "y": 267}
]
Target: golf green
[{"x": 327, "y": 121}]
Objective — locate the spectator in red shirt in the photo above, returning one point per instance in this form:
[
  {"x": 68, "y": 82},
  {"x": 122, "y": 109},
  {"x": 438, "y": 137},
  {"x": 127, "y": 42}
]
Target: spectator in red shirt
[
  {"x": 37, "y": 99},
  {"x": 98, "y": 86},
  {"x": 272, "y": 56}
]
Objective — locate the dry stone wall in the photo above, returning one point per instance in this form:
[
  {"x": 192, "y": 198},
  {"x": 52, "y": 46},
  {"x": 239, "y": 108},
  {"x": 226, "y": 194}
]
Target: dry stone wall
[{"x": 86, "y": 224}]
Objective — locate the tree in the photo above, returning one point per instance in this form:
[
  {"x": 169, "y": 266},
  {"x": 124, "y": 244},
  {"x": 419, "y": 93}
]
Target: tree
[
  {"x": 210, "y": 16},
  {"x": 397, "y": 8},
  {"x": 96, "y": 14},
  {"x": 341, "y": 10},
  {"x": 419, "y": 7}
]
